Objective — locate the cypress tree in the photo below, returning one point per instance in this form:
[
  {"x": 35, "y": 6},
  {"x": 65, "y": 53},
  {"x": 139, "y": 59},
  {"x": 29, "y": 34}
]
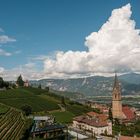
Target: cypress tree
[{"x": 20, "y": 81}]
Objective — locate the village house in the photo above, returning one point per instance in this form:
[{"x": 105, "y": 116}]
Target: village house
[
  {"x": 93, "y": 122},
  {"x": 103, "y": 108}
]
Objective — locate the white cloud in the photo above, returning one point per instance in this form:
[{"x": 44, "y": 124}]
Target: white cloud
[
  {"x": 5, "y": 39},
  {"x": 115, "y": 47},
  {"x": 39, "y": 57},
  {"x": 29, "y": 65},
  {"x": 4, "y": 53},
  {"x": 28, "y": 71},
  {"x": 1, "y": 70}
]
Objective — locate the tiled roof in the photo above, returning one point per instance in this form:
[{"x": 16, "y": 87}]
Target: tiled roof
[
  {"x": 96, "y": 122},
  {"x": 79, "y": 118},
  {"x": 128, "y": 138},
  {"x": 92, "y": 114},
  {"x": 91, "y": 122},
  {"x": 130, "y": 115},
  {"x": 102, "y": 117}
]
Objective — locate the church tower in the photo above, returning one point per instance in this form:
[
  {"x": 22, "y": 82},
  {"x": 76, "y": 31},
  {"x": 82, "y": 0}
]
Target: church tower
[{"x": 116, "y": 100}]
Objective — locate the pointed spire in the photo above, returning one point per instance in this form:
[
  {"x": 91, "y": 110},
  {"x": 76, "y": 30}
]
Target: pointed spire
[{"x": 116, "y": 82}]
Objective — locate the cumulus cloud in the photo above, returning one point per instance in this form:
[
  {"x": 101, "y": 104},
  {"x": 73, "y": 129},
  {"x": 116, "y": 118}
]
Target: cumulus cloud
[
  {"x": 5, "y": 39},
  {"x": 115, "y": 47}
]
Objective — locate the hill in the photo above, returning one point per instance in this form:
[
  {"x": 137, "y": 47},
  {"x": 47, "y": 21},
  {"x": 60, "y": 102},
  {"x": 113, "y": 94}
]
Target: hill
[
  {"x": 28, "y": 96},
  {"x": 95, "y": 85},
  {"x": 131, "y": 78},
  {"x": 42, "y": 102}
]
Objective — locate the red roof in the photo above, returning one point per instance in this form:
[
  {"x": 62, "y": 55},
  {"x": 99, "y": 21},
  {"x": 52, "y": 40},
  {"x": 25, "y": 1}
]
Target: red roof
[
  {"x": 102, "y": 117},
  {"x": 79, "y": 118},
  {"x": 128, "y": 138},
  {"x": 92, "y": 114},
  {"x": 100, "y": 120},
  {"x": 92, "y": 122},
  {"x": 130, "y": 115}
]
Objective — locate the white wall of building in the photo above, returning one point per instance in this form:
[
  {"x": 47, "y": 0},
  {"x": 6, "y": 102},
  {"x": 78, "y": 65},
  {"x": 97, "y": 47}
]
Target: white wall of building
[{"x": 93, "y": 129}]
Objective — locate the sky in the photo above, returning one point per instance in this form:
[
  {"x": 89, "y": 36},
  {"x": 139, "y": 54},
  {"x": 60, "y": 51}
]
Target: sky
[{"x": 68, "y": 38}]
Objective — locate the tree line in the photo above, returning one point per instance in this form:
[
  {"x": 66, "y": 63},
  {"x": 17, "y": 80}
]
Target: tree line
[{"x": 5, "y": 84}]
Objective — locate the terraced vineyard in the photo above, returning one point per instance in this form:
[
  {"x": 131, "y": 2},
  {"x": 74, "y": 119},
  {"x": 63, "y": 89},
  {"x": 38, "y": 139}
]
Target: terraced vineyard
[{"x": 11, "y": 125}]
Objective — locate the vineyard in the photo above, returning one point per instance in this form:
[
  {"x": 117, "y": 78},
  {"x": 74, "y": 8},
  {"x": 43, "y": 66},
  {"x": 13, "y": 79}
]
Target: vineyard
[
  {"x": 11, "y": 125},
  {"x": 30, "y": 96}
]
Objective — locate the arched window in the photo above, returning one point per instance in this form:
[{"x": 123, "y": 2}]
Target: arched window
[{"x": 115, "y": 96}]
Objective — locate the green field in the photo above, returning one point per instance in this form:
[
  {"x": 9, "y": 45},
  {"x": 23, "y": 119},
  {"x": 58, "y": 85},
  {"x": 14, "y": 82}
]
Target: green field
[
  {"x": 70, "y": 113},
  {"x": 78, "y": 109},
  {"x": 72, "y": 110},
  {"x": 63, "y": 117}
]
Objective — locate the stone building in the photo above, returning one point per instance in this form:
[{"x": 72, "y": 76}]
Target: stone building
[
  {"x": 123, "y": 113},
  {"x": 116, "y": 100}
]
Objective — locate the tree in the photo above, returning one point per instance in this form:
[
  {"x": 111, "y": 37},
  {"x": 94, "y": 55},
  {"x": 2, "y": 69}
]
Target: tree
[
  {"x": 116, "y": 122},
  {"x": 39, "y": 86},
  {"x": 1, "y": 82},
  {"x": 26, "y": 109},
  {"x": 63, "y": 101},
  {"x": 110, "y": 115},
  {"x": 20, "y": 82},
  {"x": 13, "y": 85},
  {"x": 4, "y": 83}
]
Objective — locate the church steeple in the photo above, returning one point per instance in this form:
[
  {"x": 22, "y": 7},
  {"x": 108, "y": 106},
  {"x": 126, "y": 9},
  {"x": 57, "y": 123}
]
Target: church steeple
[
  {"x": 116, "y": 89},
  {"x": 116, "y": 82},
  {"x": 116, "y": 99}
]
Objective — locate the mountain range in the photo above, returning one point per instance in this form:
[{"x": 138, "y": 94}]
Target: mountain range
[{"x": 94, "y": 85}]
